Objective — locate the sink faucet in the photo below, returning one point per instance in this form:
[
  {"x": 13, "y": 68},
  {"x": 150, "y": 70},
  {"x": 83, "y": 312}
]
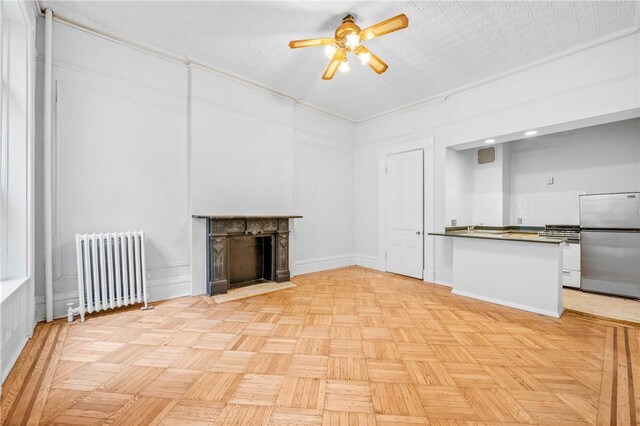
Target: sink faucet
[{"x": 471, "y": 228}]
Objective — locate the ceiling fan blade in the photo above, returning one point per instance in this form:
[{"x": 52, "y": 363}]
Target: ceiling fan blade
[
  {"x": 296, "y": 44},
  {"x": 338, "y": 57},
  {"x": 385, "y": 27},
  {"x": 374, "y": 62}
]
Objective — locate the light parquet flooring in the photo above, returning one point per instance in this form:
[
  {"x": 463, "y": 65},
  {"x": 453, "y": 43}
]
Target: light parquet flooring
[{"x": 350, "y": 346}]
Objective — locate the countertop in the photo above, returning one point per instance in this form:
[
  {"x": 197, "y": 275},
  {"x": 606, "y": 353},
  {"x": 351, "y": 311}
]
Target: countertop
[{"x": 529, "y": 237}]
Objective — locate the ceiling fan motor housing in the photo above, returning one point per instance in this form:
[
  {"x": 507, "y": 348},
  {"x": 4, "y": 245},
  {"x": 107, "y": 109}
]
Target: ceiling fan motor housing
[{"x": 348, "y": 26}]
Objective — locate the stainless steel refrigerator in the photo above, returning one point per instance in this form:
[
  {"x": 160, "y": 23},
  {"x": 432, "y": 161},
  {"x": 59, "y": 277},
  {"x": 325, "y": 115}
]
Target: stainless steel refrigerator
[{"x": 610, "y": 243}]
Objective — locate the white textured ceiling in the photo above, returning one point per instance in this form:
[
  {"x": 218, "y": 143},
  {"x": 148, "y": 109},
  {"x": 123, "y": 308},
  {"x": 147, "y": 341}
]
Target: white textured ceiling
[{"x": 448, "y": 45}]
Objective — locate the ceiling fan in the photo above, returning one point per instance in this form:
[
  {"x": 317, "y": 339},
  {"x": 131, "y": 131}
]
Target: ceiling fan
[{"x": 348, "y": 38}]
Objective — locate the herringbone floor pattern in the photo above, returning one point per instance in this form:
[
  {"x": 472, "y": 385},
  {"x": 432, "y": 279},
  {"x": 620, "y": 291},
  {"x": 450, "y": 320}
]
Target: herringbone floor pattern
[{"x": 350, "y": 346}]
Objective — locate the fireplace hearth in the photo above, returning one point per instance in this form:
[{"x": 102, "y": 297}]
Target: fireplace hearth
[{"x": 245, "y": 250}]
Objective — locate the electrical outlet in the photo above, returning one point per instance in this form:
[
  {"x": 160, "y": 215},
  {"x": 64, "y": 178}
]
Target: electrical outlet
[
  {"x": 454, "y": 222},
  {"x": 550, "y": 180},
  {"x": 519, "y": 221}
]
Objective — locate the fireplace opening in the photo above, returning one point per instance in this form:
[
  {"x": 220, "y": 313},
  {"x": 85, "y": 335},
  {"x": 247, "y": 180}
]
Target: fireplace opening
[{"x": 250, "y": 260}]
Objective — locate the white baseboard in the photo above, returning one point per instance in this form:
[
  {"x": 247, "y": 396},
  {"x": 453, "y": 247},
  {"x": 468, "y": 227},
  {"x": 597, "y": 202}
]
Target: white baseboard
[
  {"x": 428, "y": 275},
  {"x": 369, "y": 262},
  {"x": 443, "y": 283},
  {"x": 161, "y": 289},
  {"x": 307, "y": 266},
  {"x": 509, "y": 304}
]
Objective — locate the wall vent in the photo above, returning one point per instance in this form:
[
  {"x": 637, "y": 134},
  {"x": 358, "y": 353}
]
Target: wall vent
[{"x": 487, "y": 155}]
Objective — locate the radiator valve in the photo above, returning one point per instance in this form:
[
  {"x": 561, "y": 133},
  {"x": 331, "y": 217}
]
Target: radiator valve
[{"x": 71, "y": 311}]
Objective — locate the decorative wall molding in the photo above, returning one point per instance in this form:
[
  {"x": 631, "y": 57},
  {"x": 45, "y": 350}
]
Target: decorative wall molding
[
  {"x": 213, "y": 104},
  {"x": 321, "y": 141},
  {"x": 122, "y": 95},
  {"x": 68, "y": 279}
]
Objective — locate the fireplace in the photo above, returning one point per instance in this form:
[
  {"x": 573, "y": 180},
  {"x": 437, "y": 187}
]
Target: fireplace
[
  {"x": 245, "y": 250},
  {"x": 251, "y": 260}
]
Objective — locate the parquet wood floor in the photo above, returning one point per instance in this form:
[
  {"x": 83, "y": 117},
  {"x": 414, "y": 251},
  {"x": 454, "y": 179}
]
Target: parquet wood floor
[{"x": 350, "y": 346}]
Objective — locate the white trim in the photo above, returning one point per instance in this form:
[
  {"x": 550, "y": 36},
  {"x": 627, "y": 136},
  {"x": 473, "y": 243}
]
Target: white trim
[
  {"x": 369, "y": 262},
  {"x": 428, "y": 275},
  {"x": 321, "y": 141},
  {"x": 306, "y": 266},
  {"x": 160, "y": 289},
  {"x": 48, "y": 164},
  {"x": 30, "y": 12},
  {"x": 509, "y": 304},
  {"x": 8, "y": 287},
  {"x": 426, "y": 144}
]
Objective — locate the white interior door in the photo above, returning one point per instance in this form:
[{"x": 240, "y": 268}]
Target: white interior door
[{"x": 404, "y": 213}]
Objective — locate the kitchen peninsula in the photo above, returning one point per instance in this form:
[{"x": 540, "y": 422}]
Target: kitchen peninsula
[{"x": 512, "y": 268}]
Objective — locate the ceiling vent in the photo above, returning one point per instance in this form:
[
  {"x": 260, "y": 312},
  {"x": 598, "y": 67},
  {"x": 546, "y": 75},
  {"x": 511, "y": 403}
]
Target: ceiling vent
[{"x": 487, "y": 155}]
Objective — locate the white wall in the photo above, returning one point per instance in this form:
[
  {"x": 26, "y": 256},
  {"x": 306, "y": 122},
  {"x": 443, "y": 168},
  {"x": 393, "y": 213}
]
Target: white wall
[
  {"x": 593, "y": 83},
  {"x": 459, "y": 178},
  {"x": 487, "y": 189},
  {"x": 322, "y": 192},
  {"x": 130, "y": 156},
  {"x": 604, "y": 158},
  {"x": 477, "y": 194},
  {"x": 241, "y": 149}
]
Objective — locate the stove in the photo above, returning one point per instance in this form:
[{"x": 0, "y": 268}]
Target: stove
[{"x": 570, "y": 232}]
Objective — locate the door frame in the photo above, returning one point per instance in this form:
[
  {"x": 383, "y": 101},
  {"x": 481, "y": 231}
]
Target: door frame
[{"x": 425, "y": 144}]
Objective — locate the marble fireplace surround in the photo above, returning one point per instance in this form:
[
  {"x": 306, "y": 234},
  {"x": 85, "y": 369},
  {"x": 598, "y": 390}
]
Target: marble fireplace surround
[{"x": 221, "y": 228}]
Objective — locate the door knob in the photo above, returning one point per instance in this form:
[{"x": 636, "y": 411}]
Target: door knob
[{"x": 417, "y": 232}]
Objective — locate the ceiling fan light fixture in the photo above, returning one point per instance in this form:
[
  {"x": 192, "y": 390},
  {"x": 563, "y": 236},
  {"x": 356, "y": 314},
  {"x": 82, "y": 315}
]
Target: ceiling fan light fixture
[
  {"x": 364, "y": 57},
  {"x": 348, "y": 38},
  {"x": 352, "y": 40},
  {"x": 330, "y": 50}
]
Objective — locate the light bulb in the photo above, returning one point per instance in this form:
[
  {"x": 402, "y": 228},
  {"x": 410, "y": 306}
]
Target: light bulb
[
  {"x": 364, "y": 58},
  {"x": 344, "y": 67},
  {"x": 330, "y": 50},
  {"x": 352, "y": 40}
]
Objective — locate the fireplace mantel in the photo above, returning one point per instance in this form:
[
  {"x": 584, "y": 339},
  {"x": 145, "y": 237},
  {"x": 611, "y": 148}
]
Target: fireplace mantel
[
  {"x": 273, "y": 216},
  {"x": 222, "y": 228}
]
